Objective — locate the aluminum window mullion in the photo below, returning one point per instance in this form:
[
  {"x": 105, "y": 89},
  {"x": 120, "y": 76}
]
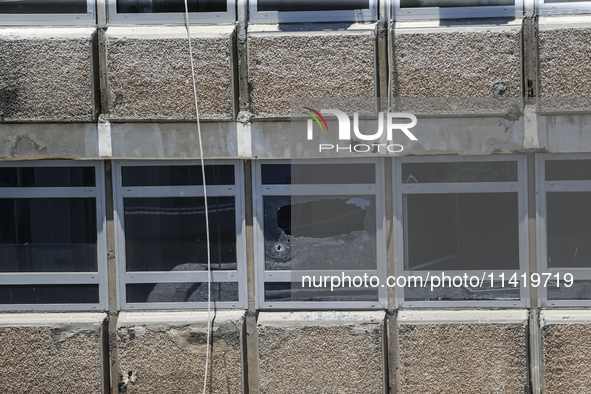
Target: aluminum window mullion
[
  {"x": 567, "y": 186},
  {"x": 180, "y": 276},
  {"x": 49, "y": 192},
  {"x": 50, "y": 307},
  {"x": 49, "y": 278},
  {"x": 177, "y": 191},
  {"x": 476, "y": 187}
]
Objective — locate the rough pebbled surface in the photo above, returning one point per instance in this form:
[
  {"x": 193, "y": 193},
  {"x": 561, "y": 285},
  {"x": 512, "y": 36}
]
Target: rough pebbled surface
[
  {"x": 46, "y": 79},
  {"x": 33, "y": 360},
  {"x": 463, "y": 358},
  {"x": 173, "y": 360},
  {"x": 567, "y": 357},
  {"x": 565, "y": 65},
  {"x": 482, "y": 65},
  {"x": 150, "y": 78},
  {"x": 282, "y": 67},
  {"x": 343, "y": 359}
]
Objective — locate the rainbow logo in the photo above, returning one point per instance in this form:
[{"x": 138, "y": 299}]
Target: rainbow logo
[{"x": 315, "y": 114}]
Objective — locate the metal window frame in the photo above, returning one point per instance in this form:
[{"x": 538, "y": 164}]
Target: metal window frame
[
  {"x": 497, "y": 11},
  {"x": 401, "y": 189},
  {"x": 52, "y": 19},
  {"x": 116, "y": 18},
  {"x": 263, "y": 275},
  {"x": 366, "y": 15},
  {"x": 124, "y": 277},
  {"x": 50, "y": 278},
  {"x": 542, "y": 188},
  {"x": 574, "y": 8}
]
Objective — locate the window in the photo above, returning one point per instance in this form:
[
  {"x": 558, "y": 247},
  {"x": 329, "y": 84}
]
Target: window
[
  {"x": 452, "y": 9},
  {"x": 161, "y": 236},
  {"x": 315, "y": 219},
  {"x": 52, "y": 236},
  {"x": 563, "y": 7},
  {"x": 457, "y": 216},
  {"x": 47, "y": 12},
  {"x": 285, "y": 11},
  {"x": 171, "y": 11},
  {"x": 565, "y": 228}
]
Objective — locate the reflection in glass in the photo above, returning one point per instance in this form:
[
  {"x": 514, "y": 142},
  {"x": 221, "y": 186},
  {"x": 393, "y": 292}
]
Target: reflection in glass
[
  {"x": 568, "y": 170},
  {"x": 43, "y": 7},
  {"x": 485, "y": 171},
  {"x": 181, "y": 292},
  {"x": 49, "y": 294},
  {"x": 580, "y": 290},
  {"x": 48, "y": 235},
  {"x": 468, "y": 231},
  {"x": 177, "y": 175},
  {"x": 157, "y": 6},
  {"x": 168, "y": 233},
  {"x": 47, "y": 176}
]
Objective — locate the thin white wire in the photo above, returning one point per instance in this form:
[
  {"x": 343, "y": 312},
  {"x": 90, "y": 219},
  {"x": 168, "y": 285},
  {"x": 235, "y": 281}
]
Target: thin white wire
[{"x": 204, "y": 198}]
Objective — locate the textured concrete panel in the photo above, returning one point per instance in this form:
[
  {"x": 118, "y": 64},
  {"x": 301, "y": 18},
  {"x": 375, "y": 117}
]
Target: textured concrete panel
[
  {"x": 285, "y": 63},
  {"x": 51, "y": 353},
  {"x": 164, "y": 352},
  {"x": 321, "y": 352},
  {"x": 463, "y": 352},
  {"x": 46, "y": 74},
  {"x": 566, "y": 338},
  {"x": 149, "y": 72},
  {"x": 48, "y": 141},
  {"x": 480, "y": 63},
  {"x": 565, "y": 63}
]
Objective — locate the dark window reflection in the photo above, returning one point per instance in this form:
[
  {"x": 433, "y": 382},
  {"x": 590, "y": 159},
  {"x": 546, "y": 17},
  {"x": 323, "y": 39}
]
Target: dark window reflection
[
  {"x": 43, "y": 7},
  {"x": 49, "y": 294},
  {"x": 468, "y": 231},
  {"x": 181, "y": 292},
  {"x": 454, "y": 3},
  {"x": 568, "y": 170},
  {"x": 47, "y": 176},
  {"x": 156, "y": 6},
  {"x": 311, "y": 5},
  {"x": 168, "y": 233},
  {"x": 569, "y": 229},
  {"x": 485, "y": 171},
  {"x": 318, "y": 174},
  {"x": 177, "y": 175},
  {"x": 48, "y": 235}
]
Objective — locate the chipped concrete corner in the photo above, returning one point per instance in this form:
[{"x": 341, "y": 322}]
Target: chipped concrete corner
[
  {"x": 162, "y": 350},
  {"x": 51, "y": 352},
  {"x": 342, "y": 352},
  {"x": 475, "y": 351}
]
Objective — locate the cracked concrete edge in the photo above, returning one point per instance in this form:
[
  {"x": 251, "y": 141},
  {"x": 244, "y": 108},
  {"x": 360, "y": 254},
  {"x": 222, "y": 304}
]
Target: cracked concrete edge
[
  {"x": 564, "y": 316},
  {"x": 503, "y": 316},
  {"x": 162, "y": 321},
  {"x": 315, "y": 319}
]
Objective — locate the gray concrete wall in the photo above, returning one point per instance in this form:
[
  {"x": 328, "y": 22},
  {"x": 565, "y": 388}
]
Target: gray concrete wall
[
  {"x": 52, "y": 353},
  {"x": 467, "y": 351},
  {"x": 321, "y": 352},
  {"x": 46, "y": 75},
  {"x": 149, "y": 73},
  {"x": 164, "y": 352},
  {"x": 566, "y": 336}
]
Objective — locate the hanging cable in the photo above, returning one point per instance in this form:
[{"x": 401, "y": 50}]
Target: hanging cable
[{"x": 204, "y": 198}]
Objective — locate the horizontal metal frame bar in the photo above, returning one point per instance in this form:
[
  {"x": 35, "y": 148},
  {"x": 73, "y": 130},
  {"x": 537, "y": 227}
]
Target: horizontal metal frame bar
[
  {"x": 171, "y": 17},
  {"x": 366, "y": 15},
  {"x": 48, "y": 192},
  {"x": 323, "y": 305},
  {"x": 565, "y": 303},
  {"x": 182, "y": 305},
  {"x": 89, "y": 18},
  {"x": 48, "y": 278},
  {"x": 465, "y": 304},
  {"x": 180, "y": 277},
  {"x": 177, "y": 191},
  {"x": 508, "y": 11},
  {"x": 50, "y": 163},
  {"x": 566, "y": 186},
  {"x": 317, "y": 190},
  {"x": 51, "y": 307},
  {"x": 476, "y": 187}
]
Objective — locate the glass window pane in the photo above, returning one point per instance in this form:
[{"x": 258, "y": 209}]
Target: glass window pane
[
  {"x": 463, "y": 293},
  {"x": 157, "y": 6},
  {"x": 568, "y": 170},
  {"x": 286, "y": 291},
  {"x": 48, "y": 235},
  {"x": 181, "y": 292},
  {"x": 453, "y": 3},
  {"x": 470, "y": 231},
  {"x": 580, "y": 290},
  {"x": 177, "y": 175},
  {"x": 318, "y": 174},
  {"x": 484, "y": 171},
  {"x": 168, "y": 233},
  {"x": 569, "y": 229},
  {"x": 320, "y": 232},
  {"x": 49, "y": 294},
  {"x": 311, "y": 5},
  {"x": 43, "y": 7},
  {"x": 47, "y": 176}
]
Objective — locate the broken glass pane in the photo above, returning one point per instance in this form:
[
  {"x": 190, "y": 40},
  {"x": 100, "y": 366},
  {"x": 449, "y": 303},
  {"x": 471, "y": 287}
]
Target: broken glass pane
[
  {"x": 181, "y": 292},
  {"x": 320, "y": 232},
  {"x": 569, "y": 229},
  {"x": 467, "y": 231},
  {"x": 482, "y": 171},
  {"x": 168, "y": 233}
]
